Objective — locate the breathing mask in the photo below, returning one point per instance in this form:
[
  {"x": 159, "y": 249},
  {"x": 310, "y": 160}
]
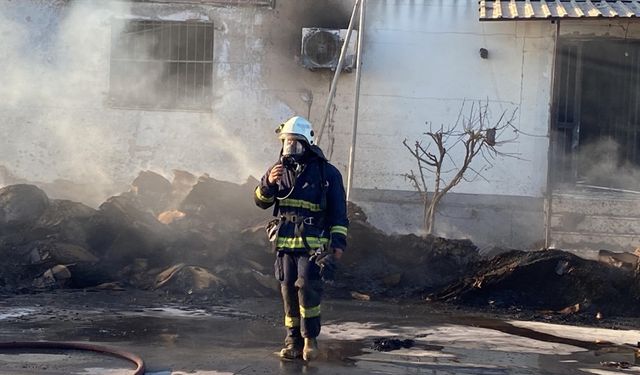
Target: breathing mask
[{"x": 293, "y": 150}]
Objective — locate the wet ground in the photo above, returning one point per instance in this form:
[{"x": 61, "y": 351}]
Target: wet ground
[{"x": 241, "y": 336}]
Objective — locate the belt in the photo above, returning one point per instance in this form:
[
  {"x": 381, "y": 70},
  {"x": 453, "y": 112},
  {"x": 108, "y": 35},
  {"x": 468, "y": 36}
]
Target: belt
[{"x": 298, "y": 219}]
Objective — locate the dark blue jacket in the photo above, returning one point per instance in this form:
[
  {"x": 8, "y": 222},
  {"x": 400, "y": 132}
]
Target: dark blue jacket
[{"x": 324, "y": 226}]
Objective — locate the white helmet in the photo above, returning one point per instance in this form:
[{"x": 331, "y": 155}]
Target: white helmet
[{"x": 297, "y": 126}]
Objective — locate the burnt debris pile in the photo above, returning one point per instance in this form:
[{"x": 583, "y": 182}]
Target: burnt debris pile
[
  {"x": 188, "y": 235},
  {"x": 377, "y": 264},
  {"x": 552, "y": 282},
  {"x": 201, "y": 235}
]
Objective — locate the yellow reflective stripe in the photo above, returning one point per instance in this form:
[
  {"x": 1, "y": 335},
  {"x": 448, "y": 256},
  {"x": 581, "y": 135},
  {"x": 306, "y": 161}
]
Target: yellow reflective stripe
[
  {"x": 299, "y": 203},
  {"x": 339, "y": 229},
  {"x": 309, "y": 312},
  {"x": 291, "y": 321},
  {"x": 261, "y": 197},
  {"x": 297, "y": 243}
]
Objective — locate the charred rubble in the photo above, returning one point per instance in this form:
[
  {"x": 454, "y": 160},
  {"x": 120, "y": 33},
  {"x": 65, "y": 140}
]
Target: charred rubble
[
  {"x": 550, "y": 281},
  {"x": 199, "y": 235}
]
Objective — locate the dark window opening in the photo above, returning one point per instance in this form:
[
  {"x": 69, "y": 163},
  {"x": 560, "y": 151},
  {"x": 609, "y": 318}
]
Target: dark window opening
[
  {"x": 161, "y": 65},
  {"x": 597, "y": 114}
]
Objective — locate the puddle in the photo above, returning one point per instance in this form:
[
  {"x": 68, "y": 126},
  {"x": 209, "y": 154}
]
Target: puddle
[
  {"x": 105, "y": 371},
  {"x": 204, "y": 372},
  {"x": 241, "y": 338},
  {"x": 32, "y": 357},
  {"x": 41, "y": 361},
  {"x": 169, "y": 312},
  {"x": 174, "y": 311},
  {"x": 16, "y": 313}
]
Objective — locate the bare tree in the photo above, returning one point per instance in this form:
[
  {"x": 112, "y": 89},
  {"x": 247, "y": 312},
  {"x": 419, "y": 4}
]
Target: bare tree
[{"x": 477, "y": 136}]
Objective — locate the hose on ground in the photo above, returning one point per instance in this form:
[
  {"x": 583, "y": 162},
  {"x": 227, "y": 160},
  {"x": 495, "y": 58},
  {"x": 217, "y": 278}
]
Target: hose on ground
[{"x": 83, "y": 346}]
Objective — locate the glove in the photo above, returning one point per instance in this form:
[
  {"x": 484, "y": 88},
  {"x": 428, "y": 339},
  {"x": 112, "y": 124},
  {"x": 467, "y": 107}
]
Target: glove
[{"x": 328, "y": 265}]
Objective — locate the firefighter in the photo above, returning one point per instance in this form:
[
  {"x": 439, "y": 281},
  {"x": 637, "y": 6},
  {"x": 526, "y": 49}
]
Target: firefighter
[{"x": 308, "y": 234}]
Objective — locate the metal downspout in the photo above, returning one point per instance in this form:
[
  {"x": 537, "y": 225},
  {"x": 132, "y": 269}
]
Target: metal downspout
[
  {"x": 552, "y": 117},
  {"x": 334, "y": 82},
  {"x": 352, "y": 149}
]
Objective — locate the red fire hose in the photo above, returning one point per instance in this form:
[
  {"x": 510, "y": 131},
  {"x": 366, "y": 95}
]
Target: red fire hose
[{"x": 84, "y": 346}]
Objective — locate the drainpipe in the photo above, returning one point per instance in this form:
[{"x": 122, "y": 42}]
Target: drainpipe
[
  {"x": 552, "y": 116},
  {"x": 334, "y": 82},
  {"x": 352, "y": 149}
]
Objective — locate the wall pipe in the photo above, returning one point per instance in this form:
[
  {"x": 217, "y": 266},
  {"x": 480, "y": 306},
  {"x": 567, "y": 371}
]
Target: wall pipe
[
  {"x": 552, "y": 118},
  {"x": 334, "y": 82},
  {"x": 356, "y": 105}
]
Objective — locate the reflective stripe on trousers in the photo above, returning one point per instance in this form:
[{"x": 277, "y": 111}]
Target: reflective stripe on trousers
[{"x": 301, "y": 288}]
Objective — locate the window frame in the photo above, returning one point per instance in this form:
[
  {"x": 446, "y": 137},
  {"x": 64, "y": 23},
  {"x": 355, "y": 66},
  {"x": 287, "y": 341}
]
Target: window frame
[
  {"x": 177, "y": 100},
  {"x": 258, "y": 3}
]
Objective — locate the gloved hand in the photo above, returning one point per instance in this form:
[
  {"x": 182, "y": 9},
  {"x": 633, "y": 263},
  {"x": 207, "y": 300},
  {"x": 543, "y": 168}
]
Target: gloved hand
[{"x": 328, "y": 265}]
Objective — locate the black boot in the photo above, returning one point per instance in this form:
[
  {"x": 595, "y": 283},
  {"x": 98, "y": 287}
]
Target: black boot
[
  {"x": 292, "y": 348},
  {"x": 310, "y": 350}
]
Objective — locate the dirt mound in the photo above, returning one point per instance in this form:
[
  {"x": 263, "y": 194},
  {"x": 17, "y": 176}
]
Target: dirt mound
[
  {"x": 381, "y": 265},
  {"x": 551, "y": 280},
  {"x": 402, "y": 265}
]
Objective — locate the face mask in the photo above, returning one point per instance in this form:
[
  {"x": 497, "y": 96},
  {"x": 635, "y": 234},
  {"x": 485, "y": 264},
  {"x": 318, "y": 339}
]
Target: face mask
[
  {"x": 292, "y": 153},
  {"x": 292, "y": 147}
]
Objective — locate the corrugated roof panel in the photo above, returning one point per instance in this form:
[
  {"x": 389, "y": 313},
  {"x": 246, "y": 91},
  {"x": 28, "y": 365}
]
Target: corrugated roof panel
[
  {"x": 513, "y": 8},
  {"x": 544, "y": 9},
  {"x": 633, "y": 6},
  {"x": 605, "y": 9},
  {"x": 622, "y": 9},
  {"x": 495, "y": 10},
  {"x": 573, "y": 9},
  {"x": 589, "y": 9},
  {"x": 557, "y": 9},
  {"x": 528, "y": 9}
]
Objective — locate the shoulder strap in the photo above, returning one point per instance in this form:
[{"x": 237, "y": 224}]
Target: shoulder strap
[
  {"x": 276, "y": 207},
  {"x": 323, "y": 185}
]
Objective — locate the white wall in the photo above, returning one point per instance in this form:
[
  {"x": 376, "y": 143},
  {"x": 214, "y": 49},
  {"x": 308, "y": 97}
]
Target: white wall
[
  {"x": 422, "y": 63},
  {"x": 56, "y": 122}
]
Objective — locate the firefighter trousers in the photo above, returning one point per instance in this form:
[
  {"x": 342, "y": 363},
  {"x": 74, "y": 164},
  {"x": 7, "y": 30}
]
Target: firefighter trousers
[{"x": 301, "y": 288}]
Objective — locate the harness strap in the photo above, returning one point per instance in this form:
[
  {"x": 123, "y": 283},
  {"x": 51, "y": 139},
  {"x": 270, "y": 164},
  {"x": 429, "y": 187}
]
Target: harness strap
[{"x": 300, "y": 221}]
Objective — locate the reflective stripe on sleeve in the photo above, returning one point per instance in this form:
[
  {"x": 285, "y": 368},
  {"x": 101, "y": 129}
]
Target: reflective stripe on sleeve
[
  {"x": 339, "y": 229},
  {"x": 261, "y": 197}
]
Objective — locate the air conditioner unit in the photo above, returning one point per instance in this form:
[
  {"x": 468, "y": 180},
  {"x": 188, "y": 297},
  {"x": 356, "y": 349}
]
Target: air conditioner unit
[{"x": 321, "y": 48}]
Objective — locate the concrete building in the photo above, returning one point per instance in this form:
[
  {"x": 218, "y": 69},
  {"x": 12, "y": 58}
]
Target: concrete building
[{"x": 95, "y": 91}]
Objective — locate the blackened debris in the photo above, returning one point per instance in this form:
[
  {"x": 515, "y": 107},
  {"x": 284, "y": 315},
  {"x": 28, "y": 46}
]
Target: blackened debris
[{"x": 385, "y": 344}]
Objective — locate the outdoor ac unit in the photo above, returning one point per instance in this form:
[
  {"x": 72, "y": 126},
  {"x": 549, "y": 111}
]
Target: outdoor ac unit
[{"x": 321, "y": 48}]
